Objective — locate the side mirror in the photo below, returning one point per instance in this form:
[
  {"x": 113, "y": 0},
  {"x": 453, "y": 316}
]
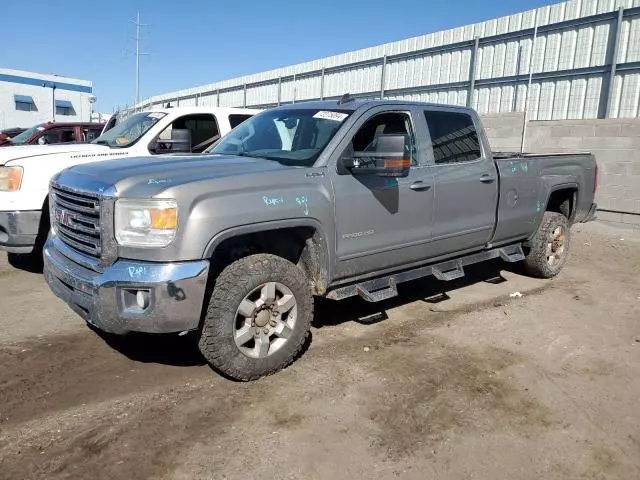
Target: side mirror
[
  {"x": 388, "y": 156},
  {"x": 180, "y": 142}
]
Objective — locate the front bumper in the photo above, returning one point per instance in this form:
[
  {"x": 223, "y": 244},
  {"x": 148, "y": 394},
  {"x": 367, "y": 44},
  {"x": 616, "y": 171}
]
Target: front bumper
[
  {"x": 106, "y": 300},
  {"x": 19, "y": 230}
]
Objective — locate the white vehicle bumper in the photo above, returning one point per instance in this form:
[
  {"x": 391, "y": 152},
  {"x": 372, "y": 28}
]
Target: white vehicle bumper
[
  {"x": 20, "y": 215},
  {"x": 19, "y": 230}
]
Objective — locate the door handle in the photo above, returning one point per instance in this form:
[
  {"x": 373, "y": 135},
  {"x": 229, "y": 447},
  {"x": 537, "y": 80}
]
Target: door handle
[
  {"x": 486, "y": 178},
  {"x": 419, "y": 186}
]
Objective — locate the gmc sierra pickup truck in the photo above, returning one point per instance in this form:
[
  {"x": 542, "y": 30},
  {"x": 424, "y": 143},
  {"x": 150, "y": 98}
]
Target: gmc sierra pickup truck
[{"x": 331, "y": 198}]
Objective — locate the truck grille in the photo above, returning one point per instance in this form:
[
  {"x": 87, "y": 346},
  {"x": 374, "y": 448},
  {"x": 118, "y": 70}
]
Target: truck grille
[{"x": 76, "y": 219}]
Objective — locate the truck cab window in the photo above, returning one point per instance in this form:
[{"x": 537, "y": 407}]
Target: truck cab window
[
  {"x": 453, "y": 136},
  {"x": 203, "y": 127},
  {"x": 90, "y": 134},
  {"x": 67, "y": 135},
  {"x": 237, "y": 119},
  {"x": 385, "y": 123}
]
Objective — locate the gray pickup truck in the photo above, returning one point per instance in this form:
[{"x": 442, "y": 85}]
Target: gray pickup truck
[{"x": 332, "y": 198}]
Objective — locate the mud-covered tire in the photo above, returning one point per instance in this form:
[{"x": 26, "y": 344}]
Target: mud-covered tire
[
  {"x": 217, "y": 338},
  {"x": 549, "y": 247}
]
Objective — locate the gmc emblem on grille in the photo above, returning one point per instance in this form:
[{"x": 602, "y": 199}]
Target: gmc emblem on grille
[{"x": 63, "y": 217}]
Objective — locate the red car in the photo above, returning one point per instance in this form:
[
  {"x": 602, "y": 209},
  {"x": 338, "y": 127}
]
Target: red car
[{"x": 50, "y": 133}]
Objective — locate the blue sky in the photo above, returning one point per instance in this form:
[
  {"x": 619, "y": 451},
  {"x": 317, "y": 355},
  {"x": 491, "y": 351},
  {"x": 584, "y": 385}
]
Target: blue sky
[{"x": 197, "y": 42}]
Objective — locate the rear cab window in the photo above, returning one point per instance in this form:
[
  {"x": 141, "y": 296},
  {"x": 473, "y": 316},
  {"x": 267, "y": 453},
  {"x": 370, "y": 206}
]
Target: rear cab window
[
  {"x": 454, "y": 137},
  {"x": 236, "y": 119}
]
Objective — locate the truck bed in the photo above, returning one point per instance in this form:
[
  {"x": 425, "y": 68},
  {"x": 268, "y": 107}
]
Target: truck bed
[{"x": 527, "y": 182}]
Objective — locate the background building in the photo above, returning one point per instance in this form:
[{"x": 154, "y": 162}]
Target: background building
[
  {"x": 28, "y": 98},
  {"x": 585, "y": 63}
]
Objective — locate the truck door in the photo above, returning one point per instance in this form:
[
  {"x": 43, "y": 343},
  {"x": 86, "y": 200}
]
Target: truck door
[
  {"x": 466, "y": 182},
  {"x": 381, "y": 222}
]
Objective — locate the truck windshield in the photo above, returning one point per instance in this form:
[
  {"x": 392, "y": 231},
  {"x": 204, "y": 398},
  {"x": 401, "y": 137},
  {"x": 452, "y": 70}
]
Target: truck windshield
[
  {"x": 24, "y": 137},
  {"x": 293, "y": 137},
  {"x": 129, "y": 131}
]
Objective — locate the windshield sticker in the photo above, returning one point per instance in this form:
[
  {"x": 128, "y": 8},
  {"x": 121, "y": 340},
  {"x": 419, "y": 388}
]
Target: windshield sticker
[
  {"x": 156, "y": 115},
  {"x": 335, "y": 116}
]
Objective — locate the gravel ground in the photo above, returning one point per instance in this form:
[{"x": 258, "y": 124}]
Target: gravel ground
[{"x": 449, "y": 381}]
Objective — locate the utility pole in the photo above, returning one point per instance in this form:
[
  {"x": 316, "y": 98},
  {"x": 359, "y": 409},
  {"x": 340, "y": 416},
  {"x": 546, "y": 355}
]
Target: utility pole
[
  {"x": 526, "y": 97},
  {"x": 138, "y": 54},
  {"x": 53, "y": 102}
]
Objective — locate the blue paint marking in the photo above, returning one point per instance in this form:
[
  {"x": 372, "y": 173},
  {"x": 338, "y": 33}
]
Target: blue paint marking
[
  {"x": 303, "y": 202},
  {"x": 524, "y": 167},
  {"x": 153, "y": 181},
  {"x": 272, "y": 201},
  {"x": 136, "y": 272}
]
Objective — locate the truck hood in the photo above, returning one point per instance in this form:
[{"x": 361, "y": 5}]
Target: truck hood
[
  {"x": 146, "y": 176},
  {"x": 8, "y": 154}
]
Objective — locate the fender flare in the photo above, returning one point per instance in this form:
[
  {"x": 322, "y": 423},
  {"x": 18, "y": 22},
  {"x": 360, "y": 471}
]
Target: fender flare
[
  {"x": 323, "y": 251},
  {"x": 566, "y": 186}
]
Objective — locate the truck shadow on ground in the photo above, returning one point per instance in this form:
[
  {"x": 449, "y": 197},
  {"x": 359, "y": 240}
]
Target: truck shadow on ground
[
  {"x": 178, "y": 351},
  {"x": 26, "y": 262},
  {"x": 183, "y": 351},
  {"x": 429, "y": 290}
]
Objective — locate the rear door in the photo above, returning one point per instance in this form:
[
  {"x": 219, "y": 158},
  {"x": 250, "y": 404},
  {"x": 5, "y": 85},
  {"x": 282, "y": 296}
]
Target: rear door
[{"x": 466, "y": 183}]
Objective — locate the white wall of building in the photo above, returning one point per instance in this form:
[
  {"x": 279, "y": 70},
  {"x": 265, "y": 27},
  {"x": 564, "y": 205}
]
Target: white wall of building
[{"x": 39, "y": 88}]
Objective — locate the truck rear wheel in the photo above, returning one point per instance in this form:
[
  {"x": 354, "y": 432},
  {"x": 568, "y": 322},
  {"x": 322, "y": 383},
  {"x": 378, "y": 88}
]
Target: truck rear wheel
[
  {"x": 258, "y": 317},
  {"x": 549, "y": 246}
]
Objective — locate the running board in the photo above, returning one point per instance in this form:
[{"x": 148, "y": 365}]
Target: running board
[
  {"x": 448, "y": 271},
  {"x": 385, "y": 287},
  {"x": 512, "y": 254},
  {"x": 378, "y": 295}
]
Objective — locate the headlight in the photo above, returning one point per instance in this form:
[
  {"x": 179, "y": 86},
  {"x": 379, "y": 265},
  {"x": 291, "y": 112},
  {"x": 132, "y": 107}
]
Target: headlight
[
  {"x": 10, "y": 179},
  {"x": 145, "y": 223}
]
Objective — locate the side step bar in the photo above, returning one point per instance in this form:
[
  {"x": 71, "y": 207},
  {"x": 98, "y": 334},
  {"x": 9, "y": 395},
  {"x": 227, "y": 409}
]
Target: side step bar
[{"x": 385, "y": 287}]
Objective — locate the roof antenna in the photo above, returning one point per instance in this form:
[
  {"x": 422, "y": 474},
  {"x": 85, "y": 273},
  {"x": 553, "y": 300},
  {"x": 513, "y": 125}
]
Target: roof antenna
[{"x": 346, "y": 98}]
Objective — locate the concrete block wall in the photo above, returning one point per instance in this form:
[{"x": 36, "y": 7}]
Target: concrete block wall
[
  {"x": 504, "y": 131},
  {"x": 614, "y": 142}
]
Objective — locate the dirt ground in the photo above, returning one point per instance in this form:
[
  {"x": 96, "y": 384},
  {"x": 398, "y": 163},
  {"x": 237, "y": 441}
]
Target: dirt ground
[{"x": 450, "y": 381}]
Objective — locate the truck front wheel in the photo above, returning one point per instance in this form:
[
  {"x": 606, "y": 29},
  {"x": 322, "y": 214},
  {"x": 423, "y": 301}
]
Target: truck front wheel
[
  {"x": 549, "y": 246},
  {"x": 258, "y": 317}
]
